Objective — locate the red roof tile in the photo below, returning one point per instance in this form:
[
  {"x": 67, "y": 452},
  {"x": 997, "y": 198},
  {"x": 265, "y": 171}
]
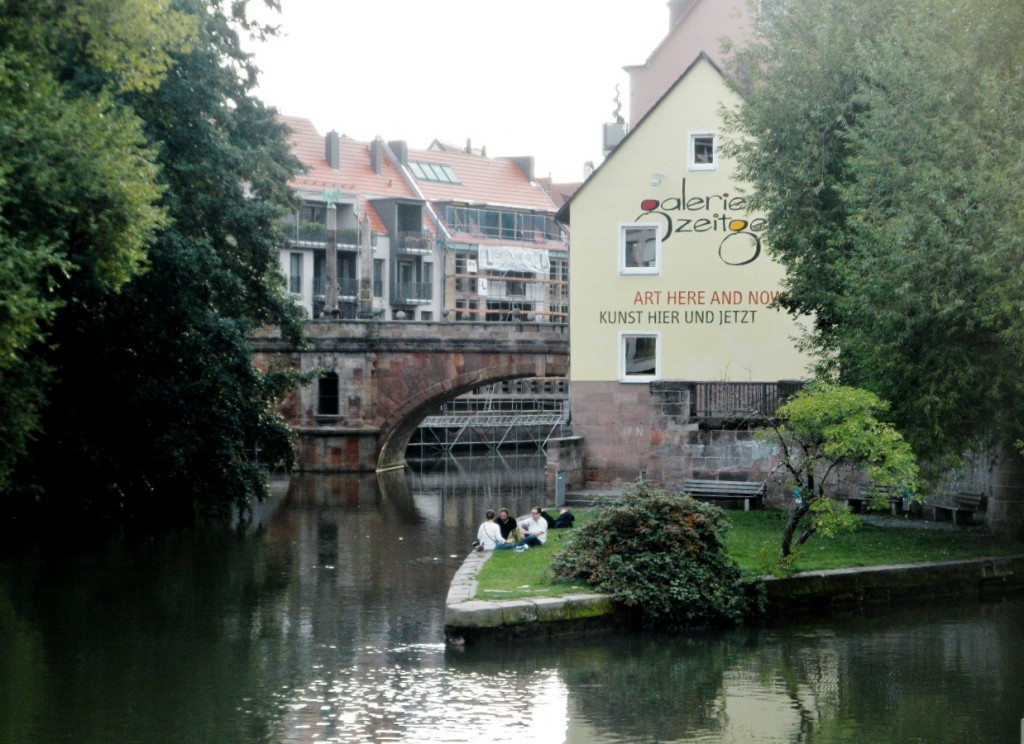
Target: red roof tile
[
  {"x": 355, "y": 175},
  {"x": 496, "y": 182}
]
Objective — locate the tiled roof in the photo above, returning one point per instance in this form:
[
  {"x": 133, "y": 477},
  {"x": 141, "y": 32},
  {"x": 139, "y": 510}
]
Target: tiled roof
[
  {"x": 355, "y": 174},
  {"x": 496, "y": 182}
]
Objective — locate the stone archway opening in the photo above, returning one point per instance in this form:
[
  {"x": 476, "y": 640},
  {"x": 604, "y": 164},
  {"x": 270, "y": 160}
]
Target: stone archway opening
[{"x": 395, "y": 438}]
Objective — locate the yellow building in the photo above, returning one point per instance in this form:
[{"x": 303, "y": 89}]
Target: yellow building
[{"x": 673, "y": 340}]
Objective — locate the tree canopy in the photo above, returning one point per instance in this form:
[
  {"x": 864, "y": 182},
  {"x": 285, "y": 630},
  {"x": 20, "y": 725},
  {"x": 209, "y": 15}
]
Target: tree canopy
[
  {"x": 884, "y": 142},
  {"x": 824, "y": 429},
  {"x": 145, "y": 215}
]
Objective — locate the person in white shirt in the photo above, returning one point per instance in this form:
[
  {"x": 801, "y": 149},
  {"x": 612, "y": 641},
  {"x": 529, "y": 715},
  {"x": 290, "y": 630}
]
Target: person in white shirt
[
  {"x": 488, "y": 537},
  {"x": 534, "y": 530}
]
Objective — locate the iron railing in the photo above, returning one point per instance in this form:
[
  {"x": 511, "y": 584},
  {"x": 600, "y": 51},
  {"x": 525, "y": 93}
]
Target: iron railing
[
  {"x": 415, "y": 242},
  {"x": 308, "y": 231},
  {"x": 735, "y": 400},
  {"x": 347, "y": 286}
]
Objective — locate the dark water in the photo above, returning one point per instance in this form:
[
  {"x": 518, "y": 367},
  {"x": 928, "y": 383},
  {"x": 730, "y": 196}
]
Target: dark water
[{"x": 327, "y": 625}]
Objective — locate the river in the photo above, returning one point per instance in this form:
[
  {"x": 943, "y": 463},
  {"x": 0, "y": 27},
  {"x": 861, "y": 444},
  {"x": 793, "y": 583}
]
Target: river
[{"x": 325, "y": 624}]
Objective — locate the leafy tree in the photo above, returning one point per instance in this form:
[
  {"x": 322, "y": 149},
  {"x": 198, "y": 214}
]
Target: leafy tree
[
  {"x": 884, "y": 143},
  {"x": 157, "y": 409},
  {"x": 663, "y": 555},
  {"x": 822, "y": 430},
  {"x": 78, "y": 182}
]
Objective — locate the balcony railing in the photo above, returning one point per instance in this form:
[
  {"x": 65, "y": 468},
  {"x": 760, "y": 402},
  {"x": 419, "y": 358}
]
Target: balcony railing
[
  {"x": 411, "y": 293},
  {"x": 503, "y": 225},
  {"x": 415, "y": 242},
  {"x": 316, "y": 232},
  {"x": 347, "y": 287}
]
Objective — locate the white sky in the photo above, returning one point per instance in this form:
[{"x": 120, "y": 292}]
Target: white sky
[{"x": 523, "y": 77}]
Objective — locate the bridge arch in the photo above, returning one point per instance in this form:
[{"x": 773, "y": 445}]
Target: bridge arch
[
  {"x": 392, "y": 374},
  {"x": 398, "y": 430}
]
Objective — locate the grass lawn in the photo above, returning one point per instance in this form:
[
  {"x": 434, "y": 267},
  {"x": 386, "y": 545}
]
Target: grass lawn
[{"x": 753, "y": 541}]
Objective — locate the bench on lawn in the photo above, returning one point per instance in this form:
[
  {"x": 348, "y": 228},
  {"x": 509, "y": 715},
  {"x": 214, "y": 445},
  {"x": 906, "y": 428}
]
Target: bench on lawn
[
  {"x": 867, "y": 494},
  {"x": 961, "y": 505},
  {"x": 719, "y": 490}
]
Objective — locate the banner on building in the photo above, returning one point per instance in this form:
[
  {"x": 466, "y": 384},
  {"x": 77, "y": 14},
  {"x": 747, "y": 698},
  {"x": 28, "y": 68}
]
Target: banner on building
[{"x": 510, "y": 258}]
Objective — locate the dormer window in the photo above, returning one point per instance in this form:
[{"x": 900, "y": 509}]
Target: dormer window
[
  {"x": 433, "y": 172},
  {"x": 703, "y": 151}
]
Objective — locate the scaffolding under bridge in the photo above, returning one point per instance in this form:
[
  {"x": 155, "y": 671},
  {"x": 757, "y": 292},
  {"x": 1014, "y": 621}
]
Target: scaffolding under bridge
[{"x": 488, "y": 430}]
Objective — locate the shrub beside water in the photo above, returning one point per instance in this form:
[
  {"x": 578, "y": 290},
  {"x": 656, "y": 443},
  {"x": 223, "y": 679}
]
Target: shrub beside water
[{"x": 663, "y": 555}]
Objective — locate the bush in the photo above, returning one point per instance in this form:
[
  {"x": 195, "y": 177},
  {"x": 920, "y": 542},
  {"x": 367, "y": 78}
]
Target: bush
[{"x": 664, "y": 556}]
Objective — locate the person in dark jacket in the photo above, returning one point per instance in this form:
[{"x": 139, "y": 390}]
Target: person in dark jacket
[
  {"x": 506, "y": 524},
  {"x": 565, "y": 519}
]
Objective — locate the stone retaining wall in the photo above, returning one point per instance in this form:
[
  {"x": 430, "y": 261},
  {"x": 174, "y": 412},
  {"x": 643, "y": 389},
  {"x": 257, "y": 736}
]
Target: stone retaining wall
[{"x": 469, "y": 620}]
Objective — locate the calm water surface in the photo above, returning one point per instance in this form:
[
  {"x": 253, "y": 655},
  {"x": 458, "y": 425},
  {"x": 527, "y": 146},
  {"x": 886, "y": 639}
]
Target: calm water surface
[{"x": 327, "y": 626}]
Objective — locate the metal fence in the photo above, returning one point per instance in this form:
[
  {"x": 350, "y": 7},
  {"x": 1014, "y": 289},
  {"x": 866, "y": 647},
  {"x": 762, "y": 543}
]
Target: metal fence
[{"x": 731, "y": 400}]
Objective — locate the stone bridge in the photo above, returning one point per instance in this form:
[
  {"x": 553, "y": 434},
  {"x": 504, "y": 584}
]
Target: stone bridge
[{"x": 379, "y": 379}]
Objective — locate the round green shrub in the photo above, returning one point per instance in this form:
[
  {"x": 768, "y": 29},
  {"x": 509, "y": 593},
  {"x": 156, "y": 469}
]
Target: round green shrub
[{"x": 663, "y": 555}]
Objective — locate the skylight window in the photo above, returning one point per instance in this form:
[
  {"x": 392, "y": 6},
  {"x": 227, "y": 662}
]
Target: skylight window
[{"x": 433, "y": 172}]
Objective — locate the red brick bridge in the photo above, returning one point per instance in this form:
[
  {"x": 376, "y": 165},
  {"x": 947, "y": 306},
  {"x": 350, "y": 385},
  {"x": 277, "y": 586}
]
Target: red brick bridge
[{"x": 377, "y": 380}]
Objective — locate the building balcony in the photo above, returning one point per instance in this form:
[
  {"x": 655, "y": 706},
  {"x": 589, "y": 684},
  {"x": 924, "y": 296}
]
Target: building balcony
[
  {"x": 315, "y": 233},
  {"x": 513, "y": 227},
  {"x": 412, "y": 293},
  {"x": 348, "y": 288},
  {"x": 414, "y": 243}
]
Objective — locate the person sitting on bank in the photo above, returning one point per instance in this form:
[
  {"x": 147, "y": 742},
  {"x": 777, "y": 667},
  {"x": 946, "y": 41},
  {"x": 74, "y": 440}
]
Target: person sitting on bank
[
  {"x": 565, "y": 519},
  {"x": 489, "y": 537},
  {"x": 506, "y": 524},
  {"x": 534, "y": 530}
]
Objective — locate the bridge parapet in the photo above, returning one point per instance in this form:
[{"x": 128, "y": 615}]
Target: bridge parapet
[{"x": 392, "y": 374}]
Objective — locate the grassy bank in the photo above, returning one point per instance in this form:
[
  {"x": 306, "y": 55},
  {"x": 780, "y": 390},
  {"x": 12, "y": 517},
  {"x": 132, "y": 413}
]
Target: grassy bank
[{"x": 753, "y": 543}]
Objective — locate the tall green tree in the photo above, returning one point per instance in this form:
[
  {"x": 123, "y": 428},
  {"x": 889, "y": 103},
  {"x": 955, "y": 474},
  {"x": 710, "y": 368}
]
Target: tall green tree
[
  {"x": 157, "y": 409},
  {"x": 78, "y": 179},
  {"x": 883, "y": 140}
]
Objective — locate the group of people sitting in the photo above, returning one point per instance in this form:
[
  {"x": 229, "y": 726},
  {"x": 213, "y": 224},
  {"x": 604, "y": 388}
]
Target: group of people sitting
[{"x": 501, "y": 532}]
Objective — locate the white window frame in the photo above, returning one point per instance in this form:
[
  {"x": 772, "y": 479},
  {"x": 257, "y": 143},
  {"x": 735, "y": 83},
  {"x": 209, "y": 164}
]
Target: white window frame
[
  {"x": 624, "y": 338},
  {"x": 624, "y": 228},
  {"x": 691, "y": 151}
]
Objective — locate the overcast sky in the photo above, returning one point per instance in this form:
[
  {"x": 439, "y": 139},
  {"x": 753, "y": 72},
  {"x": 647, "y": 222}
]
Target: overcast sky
[{"x": 524, "y": 77}]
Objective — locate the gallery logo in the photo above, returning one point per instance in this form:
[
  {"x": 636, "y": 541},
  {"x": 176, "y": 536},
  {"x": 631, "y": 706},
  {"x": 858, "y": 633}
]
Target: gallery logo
[{"x": 741, "y": 242}]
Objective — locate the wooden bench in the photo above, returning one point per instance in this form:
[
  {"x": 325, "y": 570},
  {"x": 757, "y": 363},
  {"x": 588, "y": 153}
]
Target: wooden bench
[
  {"x": 719, "y": 490},
  {"x": 961, "y": 506},
  {"x": 867, "y": 494}
]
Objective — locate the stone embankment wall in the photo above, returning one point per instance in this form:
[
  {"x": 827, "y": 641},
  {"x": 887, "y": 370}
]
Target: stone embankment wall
[
  {"x": 469, "y": 620},
  {"x": 633, "y": 432}
]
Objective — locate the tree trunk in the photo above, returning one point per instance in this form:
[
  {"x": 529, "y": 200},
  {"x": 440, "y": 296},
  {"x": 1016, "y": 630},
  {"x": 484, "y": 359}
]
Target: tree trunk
[{"x": 795, "y": 516}]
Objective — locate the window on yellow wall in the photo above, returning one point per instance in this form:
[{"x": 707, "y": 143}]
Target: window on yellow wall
[
  {"x": 639, "y": 249},
  {"x": 703, "y": 151},
  {"x": 640, "y": 357}
]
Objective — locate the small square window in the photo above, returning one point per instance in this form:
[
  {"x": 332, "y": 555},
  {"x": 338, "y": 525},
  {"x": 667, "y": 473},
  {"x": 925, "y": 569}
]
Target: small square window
[
  {"x": 703, "y": 151},
  {"x": 639, "y": 249},
  {"x": 640, "y": 357}
]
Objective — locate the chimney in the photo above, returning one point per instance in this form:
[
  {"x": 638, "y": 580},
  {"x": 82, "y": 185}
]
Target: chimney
[
  {"x": 676, "y": 8},
  {"x": 332, "y": 150},
  {"x": 401, "y": 151},
  {"x": 525, "y": 164},
  {"x": 376, "y": 150}
]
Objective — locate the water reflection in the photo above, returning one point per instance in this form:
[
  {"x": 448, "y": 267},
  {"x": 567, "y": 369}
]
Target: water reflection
[{"x": 326, "y": 624}]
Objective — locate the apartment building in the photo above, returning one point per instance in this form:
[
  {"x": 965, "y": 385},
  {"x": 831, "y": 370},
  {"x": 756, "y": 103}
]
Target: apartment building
[{"x": 421, "y": 235}]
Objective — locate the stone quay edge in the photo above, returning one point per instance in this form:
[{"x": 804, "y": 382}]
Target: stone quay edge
[{"x": 470, "y": 620}]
